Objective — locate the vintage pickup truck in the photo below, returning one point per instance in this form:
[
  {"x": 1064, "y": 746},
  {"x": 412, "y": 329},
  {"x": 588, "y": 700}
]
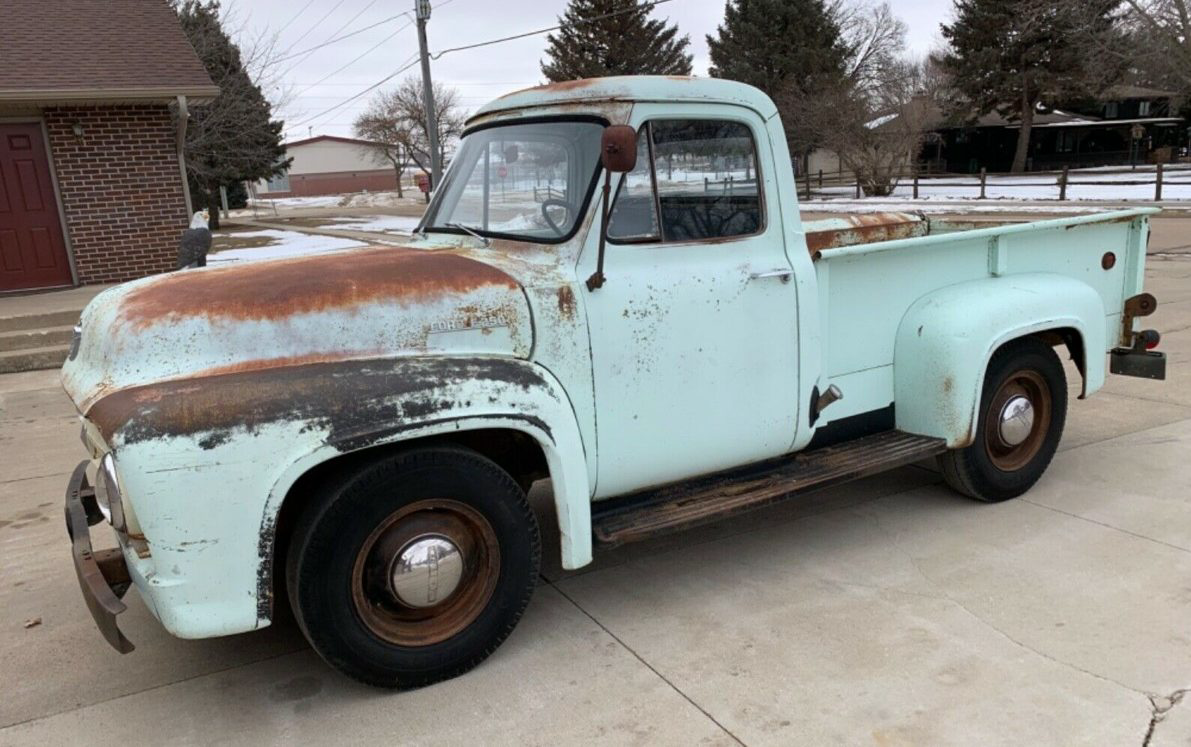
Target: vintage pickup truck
[{"x": 612, "y": 289}]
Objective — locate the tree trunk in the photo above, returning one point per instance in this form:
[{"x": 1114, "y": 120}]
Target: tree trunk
[
  {"x": 398, "y": 169},
  {"x": 1023, "y": 139},
  {"x": 213, "y": 206}
]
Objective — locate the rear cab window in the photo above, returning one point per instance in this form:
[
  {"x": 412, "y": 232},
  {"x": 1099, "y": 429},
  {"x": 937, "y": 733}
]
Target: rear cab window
[{"x": 695, "y": 180}]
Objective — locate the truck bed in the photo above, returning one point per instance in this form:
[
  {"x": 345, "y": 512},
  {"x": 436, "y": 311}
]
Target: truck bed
[{"x": 872, "y": 268}]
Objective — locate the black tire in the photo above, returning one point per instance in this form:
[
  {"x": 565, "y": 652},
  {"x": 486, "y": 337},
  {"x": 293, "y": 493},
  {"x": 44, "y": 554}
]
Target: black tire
[
  {"x": 364, "y": 630},
  {"x": 990, "y": 470}
]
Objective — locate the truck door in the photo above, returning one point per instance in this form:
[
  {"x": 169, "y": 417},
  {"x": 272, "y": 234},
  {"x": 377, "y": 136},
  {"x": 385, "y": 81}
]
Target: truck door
[{"x": 693, "y": 336}]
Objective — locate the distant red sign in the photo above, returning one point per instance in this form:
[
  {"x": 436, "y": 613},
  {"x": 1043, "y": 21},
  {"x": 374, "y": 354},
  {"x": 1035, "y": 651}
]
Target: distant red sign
[{"x": 502, "y": 172}]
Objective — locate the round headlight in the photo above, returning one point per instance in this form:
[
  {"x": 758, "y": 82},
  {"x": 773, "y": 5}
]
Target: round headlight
[{"x": 107, "y": 492}]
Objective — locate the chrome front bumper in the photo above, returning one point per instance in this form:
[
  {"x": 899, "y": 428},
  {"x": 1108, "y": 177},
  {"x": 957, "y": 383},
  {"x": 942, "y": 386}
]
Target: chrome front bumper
[{"x": 103, "y": 575}]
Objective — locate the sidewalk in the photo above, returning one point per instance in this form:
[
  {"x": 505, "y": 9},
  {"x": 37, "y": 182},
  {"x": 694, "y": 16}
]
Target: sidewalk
[{"x": 46, "y": 303}]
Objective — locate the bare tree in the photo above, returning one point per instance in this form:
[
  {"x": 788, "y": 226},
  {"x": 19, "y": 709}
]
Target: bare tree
[
  {"x": 383, "y": 124},
  {"x": 396, "y": 119},
  {"x": 409, "y": 102},
  {"x": 868, "y": 115},
  {"x": 874, "y": 38},
  {"x": 1157, "y": 42}
]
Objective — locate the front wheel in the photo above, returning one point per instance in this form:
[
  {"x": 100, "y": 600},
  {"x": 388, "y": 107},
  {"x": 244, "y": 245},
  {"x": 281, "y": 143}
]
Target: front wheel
[
  {"x": 413, "y": 569},
  {"x": 1022, "y": 412}
]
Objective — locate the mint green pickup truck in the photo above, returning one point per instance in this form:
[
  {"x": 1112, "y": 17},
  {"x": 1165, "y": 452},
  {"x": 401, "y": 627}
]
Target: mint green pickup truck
[{"x": 612, "y": 289}]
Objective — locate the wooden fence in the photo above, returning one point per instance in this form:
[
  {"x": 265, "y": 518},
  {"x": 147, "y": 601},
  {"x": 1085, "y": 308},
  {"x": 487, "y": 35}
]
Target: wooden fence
[{"x": 1161, "y": 177}]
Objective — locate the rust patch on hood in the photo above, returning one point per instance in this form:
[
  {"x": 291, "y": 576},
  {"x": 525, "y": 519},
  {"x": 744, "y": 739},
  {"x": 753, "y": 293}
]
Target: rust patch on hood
[{"x": 282, "y": 288}]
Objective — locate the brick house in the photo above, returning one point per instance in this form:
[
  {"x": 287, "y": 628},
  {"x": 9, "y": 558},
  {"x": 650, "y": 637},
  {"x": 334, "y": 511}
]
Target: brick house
[
  {"x": 328, "y": 165},
  {"x": 93, "y": 102}
]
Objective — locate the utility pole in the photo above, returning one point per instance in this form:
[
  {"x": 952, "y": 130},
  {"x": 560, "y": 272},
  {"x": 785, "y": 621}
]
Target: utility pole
[{"x": 422, "y": 8}]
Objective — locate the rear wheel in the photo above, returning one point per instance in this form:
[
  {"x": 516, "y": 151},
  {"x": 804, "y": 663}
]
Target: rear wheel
[
  {"x": 414, "y": 568},
  {"x": 1022, "y": 412}
]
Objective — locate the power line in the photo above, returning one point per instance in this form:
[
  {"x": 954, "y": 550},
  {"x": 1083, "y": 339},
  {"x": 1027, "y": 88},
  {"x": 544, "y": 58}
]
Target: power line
[
  {"x": 335, "y": 33},
  {"x": 637, "y": 9},
  {"x": 295, "y": 16},
  {"x": 414, "y": 60},
  {"x": 340, "y": 38},
  {"x": 317, "y": 23},
  {"x": 405, "y": 66},
  {"x": 369, "y": 51}
]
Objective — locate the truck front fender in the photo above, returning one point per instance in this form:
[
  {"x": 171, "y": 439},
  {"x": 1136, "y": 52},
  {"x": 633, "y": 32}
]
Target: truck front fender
[
  {"x": 240, "y": 441},
  {"x": 947, "y": 337}
]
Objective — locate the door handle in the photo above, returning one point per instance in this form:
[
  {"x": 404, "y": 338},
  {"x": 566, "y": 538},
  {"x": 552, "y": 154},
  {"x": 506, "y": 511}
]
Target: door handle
[{"x": 784, "y": 273}]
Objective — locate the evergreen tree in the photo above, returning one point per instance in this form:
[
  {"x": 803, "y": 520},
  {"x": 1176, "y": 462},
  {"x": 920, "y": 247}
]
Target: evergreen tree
[
  {"x": 234, "y": 138},
  {"x": 593, "y": 42},
  {"x": 790, "y": 49},
  {"x": 1009, "y": 56}
]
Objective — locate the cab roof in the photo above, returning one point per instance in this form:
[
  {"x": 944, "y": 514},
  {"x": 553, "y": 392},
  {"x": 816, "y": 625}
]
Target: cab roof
[{"x": 635, "y": 88}]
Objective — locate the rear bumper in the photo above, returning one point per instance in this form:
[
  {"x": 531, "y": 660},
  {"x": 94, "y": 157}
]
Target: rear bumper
[{"x": 103, "y": 575}]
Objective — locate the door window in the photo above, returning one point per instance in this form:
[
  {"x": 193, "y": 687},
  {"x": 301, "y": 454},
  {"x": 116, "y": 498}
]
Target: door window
[{"x": 695, "y": 180}]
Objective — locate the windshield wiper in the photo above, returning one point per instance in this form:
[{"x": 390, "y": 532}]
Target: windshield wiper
[{"x": 471, "y": 231}]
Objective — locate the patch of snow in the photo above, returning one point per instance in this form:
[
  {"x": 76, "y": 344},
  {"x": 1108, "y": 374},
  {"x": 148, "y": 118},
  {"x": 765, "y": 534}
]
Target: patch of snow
[
  {"x": 885, "y": 205},
  {"x": 285, "y": 244},
  {"x": 379, "y": 199},
  {"x": 1116, "y": 185},
  {"x": 381, "y": 223},
  {"x": 880, "y": 121},
  {"x": 300, "y": 202}
]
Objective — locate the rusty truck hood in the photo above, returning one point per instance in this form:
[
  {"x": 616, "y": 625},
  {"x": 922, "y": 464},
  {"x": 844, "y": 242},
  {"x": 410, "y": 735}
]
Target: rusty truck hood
[{"x": 365, "y": 303}]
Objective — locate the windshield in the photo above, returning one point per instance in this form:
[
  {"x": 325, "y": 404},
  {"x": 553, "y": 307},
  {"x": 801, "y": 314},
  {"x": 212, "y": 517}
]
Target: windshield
[{"x": 528, "y": 181}]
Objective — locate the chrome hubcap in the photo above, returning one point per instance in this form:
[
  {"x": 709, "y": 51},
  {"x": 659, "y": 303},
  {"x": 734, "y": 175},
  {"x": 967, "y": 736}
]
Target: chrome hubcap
[
  {"x": 1017, "y": 420},
  {"x": 426, "y": 571}
]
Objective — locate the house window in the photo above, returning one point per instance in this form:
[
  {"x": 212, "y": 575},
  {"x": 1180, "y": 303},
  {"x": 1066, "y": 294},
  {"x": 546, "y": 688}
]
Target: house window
[
  {"x": 1143, "y": 109},
  {"x": 279, "y": 183},
  {"x": 1112, "y": 110},
  {"x": 694, "y": 180}
]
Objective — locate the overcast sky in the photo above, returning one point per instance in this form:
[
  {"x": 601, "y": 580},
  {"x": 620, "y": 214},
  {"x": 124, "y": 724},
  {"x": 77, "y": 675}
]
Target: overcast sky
[{"x": 319, "y": 83}]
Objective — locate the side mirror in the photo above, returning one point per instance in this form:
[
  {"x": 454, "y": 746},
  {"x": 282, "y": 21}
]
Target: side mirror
[
  {"x": 618, "y": 153},
  {"x": 511, "y": 153},
  {"x": 618, "y": 148}
]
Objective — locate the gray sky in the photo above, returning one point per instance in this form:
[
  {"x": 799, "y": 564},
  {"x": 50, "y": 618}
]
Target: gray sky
[{"x": 479, "y": 74}]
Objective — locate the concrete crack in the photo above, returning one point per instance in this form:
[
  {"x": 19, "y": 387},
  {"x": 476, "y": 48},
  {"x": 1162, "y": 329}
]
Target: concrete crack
[
  {"x": 1105, "y": 525},
  {"x": 946, "y": 596},
  {"x": 1162, "y": 705},
  {"x": 650, "y": 667}
]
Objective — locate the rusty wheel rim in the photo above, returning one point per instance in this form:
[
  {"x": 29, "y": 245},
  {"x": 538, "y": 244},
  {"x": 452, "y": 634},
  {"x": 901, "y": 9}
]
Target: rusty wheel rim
[
  {"x": 380, "y": 607},
  {"x": 1011, "y": 454}
]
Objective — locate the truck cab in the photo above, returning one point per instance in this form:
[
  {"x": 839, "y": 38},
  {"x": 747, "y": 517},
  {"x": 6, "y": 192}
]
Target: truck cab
[{"x": 612, "y": 289}]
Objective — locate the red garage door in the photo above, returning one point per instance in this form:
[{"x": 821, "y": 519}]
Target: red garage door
[{"x": 32, "y": 249}]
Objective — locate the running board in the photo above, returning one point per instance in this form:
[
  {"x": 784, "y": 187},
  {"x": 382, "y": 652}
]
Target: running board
[{"x": 703, "y": 500}]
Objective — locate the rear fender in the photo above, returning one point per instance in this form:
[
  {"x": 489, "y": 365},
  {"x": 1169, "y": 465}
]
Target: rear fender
[{"x": 946, "y": 339}]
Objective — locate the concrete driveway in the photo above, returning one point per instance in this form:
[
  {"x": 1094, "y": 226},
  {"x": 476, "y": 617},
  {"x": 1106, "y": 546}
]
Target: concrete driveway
[{"x": 886, "y": 612}]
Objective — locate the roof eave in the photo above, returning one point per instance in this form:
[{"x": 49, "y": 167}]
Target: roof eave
[{"x": 53, "y": 96}]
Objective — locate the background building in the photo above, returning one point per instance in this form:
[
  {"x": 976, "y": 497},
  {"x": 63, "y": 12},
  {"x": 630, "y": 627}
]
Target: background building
[
  {"x": 91, "y": 174},
  {"x": 329, "y": 165}
]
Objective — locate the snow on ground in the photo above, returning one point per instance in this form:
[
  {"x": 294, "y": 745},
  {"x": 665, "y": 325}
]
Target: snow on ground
[
  {"x": 380, "y": 199},
  {"x": 1137, "y": 186},
  {"x": 300, "y": 202},
  {"x": 895, "y": 205},
  {"x": 358, "y": 199},
  {"x": 283, "y": 244},
  {"x": 398, "y": 224}
]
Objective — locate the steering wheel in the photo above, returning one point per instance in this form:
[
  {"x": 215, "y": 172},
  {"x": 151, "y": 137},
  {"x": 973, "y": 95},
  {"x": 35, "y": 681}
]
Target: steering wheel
[{"x": 551, "y": 202}]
